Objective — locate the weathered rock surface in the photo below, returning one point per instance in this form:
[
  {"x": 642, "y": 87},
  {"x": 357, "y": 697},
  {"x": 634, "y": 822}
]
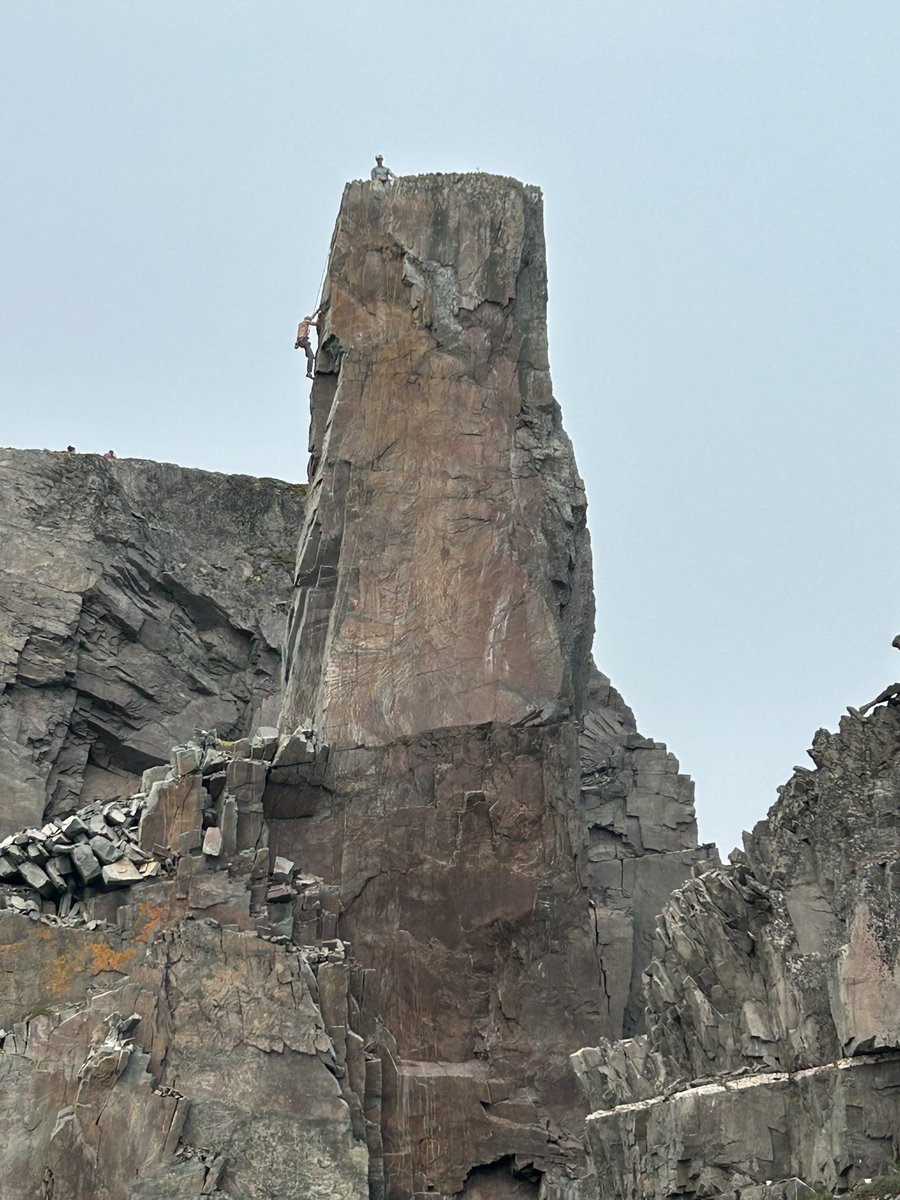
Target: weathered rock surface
[
  {"x": 137, "y": 601},
  {"x": 444, "y": 571},
  {"x": 498, "y": 834},
  {"x": 772, "y": 1048},
  {"x": 171, "y": 1037},
  {"x": 350, "y": 959}
]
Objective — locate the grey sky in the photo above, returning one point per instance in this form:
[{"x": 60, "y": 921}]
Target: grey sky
[{"x": 721, "y": 191}]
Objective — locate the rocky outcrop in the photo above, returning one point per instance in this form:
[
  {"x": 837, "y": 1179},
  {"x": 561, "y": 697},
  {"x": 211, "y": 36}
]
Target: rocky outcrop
[
  {"x": 350, "y": 958},
  {"x": 498, "y": 832},
  {"x": 772, "y": 1049},
  {"x": 137, "y": 601},
  {"x": 444, "y": 572},
  {"x": 165, "y": 1031}
]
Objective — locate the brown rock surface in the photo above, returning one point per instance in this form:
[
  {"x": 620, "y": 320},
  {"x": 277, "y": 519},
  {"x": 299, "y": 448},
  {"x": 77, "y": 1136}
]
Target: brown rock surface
[
  {"x": 137, "y": 601},
  {"x": 444, "y": 567},
  {"x": 487, "y": 804},
  {"x": 358, "y": 955},
  {"x": 166, "y": 1043}
]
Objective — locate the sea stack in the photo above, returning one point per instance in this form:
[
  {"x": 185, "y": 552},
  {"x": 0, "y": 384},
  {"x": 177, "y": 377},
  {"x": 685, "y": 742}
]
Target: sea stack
[{"x": 488, "y": 809}]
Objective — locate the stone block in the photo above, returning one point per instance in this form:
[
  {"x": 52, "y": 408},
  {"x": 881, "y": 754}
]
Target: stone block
[
  {"x": 96, "y": 824},
  {"x": 154, "y": 775},
  {"x": 246, "y": 781},
  {"x": 72, "y": 827},
  {"x": 189, "y": 841},
  {"x": 56, "y": 877},
  {"x": 186, "y": 759},
  {"x": 8, "y": 870},
  {"x": 105, "y": 850},
  {"x": 173, "y": 807},
  {"x": 282, "y": 869},
  {"x": 121, "y": 874},
  {"x": 294, "y": 750},
  {"x": 212, "y": 842},
  {"x": 228, "y": 825},
  {"x": 85, "y": 862},
  {"x": 37, "y": 879}
]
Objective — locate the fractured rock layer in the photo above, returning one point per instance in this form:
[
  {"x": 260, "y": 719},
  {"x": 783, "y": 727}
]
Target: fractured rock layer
[
  {"x": 488, "y": 807},
  {"x": 171, "y": 1038},
  {"x": 137, "y": 601},
  {"x": 772, "y": 1000}
]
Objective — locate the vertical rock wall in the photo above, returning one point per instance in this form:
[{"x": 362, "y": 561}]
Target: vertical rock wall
[
  {"x": 444, "y": 570},
  {"x": 137, "y": 601},
  {"x": 351, "y": 960},
  {"x": 772, "y": 1050},
  {"x": 487, "y": 802}
]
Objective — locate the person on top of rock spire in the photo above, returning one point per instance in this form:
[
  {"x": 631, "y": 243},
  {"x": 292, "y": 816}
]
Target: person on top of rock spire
[
  {"x": 302, "y": 342},
  {"x": 889, "y": 693},
  {"x": 380, "y": 173}
]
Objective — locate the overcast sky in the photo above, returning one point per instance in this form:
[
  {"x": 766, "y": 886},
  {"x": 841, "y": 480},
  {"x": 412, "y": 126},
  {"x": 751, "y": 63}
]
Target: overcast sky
[{"x": 721, "y": 194}]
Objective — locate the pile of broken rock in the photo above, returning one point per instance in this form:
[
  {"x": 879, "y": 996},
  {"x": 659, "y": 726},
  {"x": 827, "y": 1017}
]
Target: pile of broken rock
[
  {"x": 195, "y": 818},
  {"x": 47, "y": 870}
]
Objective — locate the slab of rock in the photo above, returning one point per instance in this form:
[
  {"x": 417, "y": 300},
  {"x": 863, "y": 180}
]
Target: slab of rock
[
  {"x": 174, "y": 807},
  {"x": 105, "y": 850},
  {"x": 766, "y": 976},
  {"x": 85, "y": 863},
  {"x": 212, "y": 841},
  {"x": 125, "y": 621},
  {"x": 282, "y": 870},
  {"x": 38, "y": 879},
  {"x": 121, "y": 874},
  {"x": 439, "y": 644}
]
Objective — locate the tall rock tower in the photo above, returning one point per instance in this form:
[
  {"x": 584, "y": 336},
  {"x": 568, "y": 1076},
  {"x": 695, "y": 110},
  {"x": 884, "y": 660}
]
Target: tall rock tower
[
  {"x": 498, "y": 834},
  {"x": 444, "y": 574}
]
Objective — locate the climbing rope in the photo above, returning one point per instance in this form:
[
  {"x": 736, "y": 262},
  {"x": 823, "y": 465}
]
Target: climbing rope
[{"x": 321, "y": 283}]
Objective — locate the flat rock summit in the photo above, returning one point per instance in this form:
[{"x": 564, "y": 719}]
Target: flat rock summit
[{"x": 331, "y": 866}]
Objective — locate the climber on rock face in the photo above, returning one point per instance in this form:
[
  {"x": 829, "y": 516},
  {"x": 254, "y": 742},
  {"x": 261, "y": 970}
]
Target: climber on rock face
[
  {"x": 380, "y": 173},
  {"x": 302, "y": 341},
  {"x": 889, "y": 693}
]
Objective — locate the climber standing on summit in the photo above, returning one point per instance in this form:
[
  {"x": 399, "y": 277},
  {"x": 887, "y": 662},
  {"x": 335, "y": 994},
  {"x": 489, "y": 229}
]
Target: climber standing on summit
[
  {"x": 302, "y": 342},
  {"x": 381, "y": 174},
  {"x": 889, "y": 694}
]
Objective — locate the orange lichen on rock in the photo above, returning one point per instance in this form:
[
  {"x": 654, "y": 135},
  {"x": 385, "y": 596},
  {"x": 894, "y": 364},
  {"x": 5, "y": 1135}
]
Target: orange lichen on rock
[
  {"x": 70, "y": 966},
  {"x": 147, "y": 920}
]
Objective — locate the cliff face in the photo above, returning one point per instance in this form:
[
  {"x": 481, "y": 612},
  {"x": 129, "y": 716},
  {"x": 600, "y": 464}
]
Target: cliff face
[
  {"x": 488, "y": 807},
  {"x": 444, "y": 572},
  {"x": 772, "y": 1049},
  {"x": 350, "y": 959},
  {"x": 162, "y": 1037},
  {"x": 137, "y": 601}
]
